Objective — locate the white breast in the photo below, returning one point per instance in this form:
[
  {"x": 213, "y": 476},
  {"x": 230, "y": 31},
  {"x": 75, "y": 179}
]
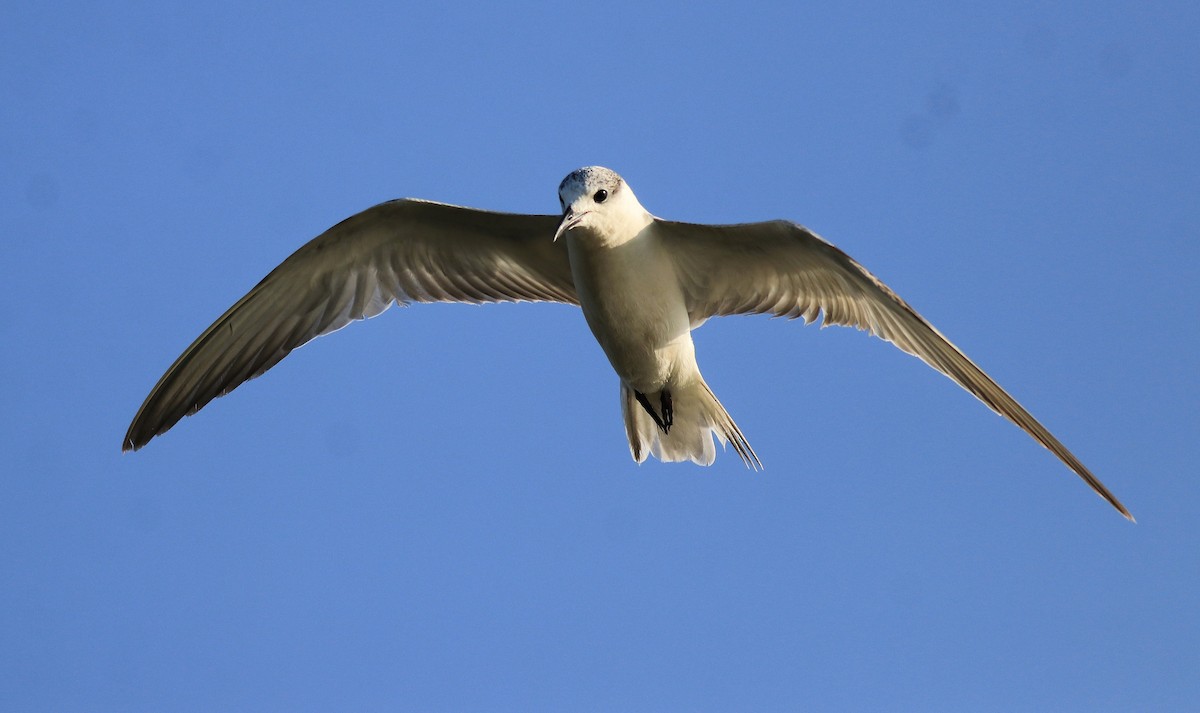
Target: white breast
[{"x": 634, "y": 305}]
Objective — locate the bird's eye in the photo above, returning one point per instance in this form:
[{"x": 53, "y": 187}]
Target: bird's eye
[{"x": 601, "y": 196}]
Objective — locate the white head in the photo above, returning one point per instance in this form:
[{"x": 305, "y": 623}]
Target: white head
[{"x": 596, "y": 198}]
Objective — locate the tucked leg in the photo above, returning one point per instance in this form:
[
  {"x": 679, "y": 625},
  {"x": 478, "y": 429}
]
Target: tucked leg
[{"x": 664, "y": 426}]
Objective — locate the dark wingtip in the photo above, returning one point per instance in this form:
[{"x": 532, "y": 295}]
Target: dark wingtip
[
  {"x": 132, "y": 442},
  {"x": 1112, "y": 500}
]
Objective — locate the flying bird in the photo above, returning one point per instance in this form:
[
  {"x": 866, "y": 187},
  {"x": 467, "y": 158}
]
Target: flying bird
[{"x": 643, "y": 284}]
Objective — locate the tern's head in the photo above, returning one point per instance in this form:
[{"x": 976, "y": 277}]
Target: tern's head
[{"x": 597, "y": 198}]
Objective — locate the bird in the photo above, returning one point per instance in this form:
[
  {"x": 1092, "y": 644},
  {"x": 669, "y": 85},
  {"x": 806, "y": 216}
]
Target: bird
[{"x": 642, "y": 283}]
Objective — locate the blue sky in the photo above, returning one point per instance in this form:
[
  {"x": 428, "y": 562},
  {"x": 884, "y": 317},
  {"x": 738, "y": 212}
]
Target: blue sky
[{"x": 436, "y": 510}]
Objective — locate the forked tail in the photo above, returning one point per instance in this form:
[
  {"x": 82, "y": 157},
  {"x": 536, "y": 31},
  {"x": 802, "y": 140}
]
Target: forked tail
[{"x": 697, "y": 417}]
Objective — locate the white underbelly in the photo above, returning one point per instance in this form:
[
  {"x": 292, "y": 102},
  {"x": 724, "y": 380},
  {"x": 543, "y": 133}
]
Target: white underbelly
[{"x": 635, "y": 308}]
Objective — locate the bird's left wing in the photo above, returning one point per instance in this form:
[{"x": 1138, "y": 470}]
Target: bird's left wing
[
  {"x": 397, "y": 252},
  {"x": 784, "y": 269}
]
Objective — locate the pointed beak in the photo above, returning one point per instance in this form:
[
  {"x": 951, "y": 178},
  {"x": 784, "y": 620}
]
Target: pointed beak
[{"x": 570, "y": 220}]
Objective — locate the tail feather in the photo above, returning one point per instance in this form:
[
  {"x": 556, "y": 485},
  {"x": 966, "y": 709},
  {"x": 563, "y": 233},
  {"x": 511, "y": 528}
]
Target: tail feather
[{"x": 698, "y": 417}]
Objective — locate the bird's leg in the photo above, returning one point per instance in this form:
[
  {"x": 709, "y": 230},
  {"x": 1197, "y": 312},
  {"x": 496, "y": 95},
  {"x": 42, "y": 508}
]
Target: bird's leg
[
  {"x": 668, "y": 412},
  {"x": 666, "y": 400}
]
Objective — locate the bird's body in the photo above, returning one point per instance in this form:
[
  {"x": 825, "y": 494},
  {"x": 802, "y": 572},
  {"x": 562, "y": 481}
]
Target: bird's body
[
  {"x": 642, "y": 325},
  {"x": 643, "y": 284},
  {"x": 627, "y": 285}
]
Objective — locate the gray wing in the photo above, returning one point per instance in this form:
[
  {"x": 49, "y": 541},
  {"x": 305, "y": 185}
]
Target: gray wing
[
  {"x": 784, "y": 269},
  {"x": 397, "y": 252}
]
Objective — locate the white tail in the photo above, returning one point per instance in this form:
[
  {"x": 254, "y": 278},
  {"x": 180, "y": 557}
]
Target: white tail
[{"x": 698, "y": 416}]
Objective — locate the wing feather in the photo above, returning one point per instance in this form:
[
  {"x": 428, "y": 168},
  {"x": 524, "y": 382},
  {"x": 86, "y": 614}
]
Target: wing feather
[
  {"x": 784, "y": 269},
  {"x": 397, "y": 252}
]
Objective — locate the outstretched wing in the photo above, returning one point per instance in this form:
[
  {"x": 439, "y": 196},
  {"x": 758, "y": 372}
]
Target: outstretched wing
[
  {"x": 784, "y": 269},
  {"x": 397, "y": 252}
]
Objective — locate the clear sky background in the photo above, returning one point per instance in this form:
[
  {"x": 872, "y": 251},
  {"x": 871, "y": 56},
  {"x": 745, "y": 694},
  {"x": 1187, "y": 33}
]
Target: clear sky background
[{"x": 436, "y": 510}]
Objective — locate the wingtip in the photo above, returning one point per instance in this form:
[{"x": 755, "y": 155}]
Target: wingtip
[
  {"x": 1112, "y": 500},
  {"x": 131, "y": 443},
  {"x": 1120, "y": 507}
]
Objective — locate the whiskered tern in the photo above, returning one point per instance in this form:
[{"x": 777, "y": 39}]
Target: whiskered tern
[{"x": 643, "y": 284}]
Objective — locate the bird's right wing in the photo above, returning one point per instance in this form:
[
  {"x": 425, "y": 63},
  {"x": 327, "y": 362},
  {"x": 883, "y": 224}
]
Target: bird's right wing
[{"x": 397, "y": 252}]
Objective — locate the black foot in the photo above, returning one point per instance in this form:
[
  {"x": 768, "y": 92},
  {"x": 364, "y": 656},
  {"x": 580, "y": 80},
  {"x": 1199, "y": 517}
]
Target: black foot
[{"x": 664, "y": 422}]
